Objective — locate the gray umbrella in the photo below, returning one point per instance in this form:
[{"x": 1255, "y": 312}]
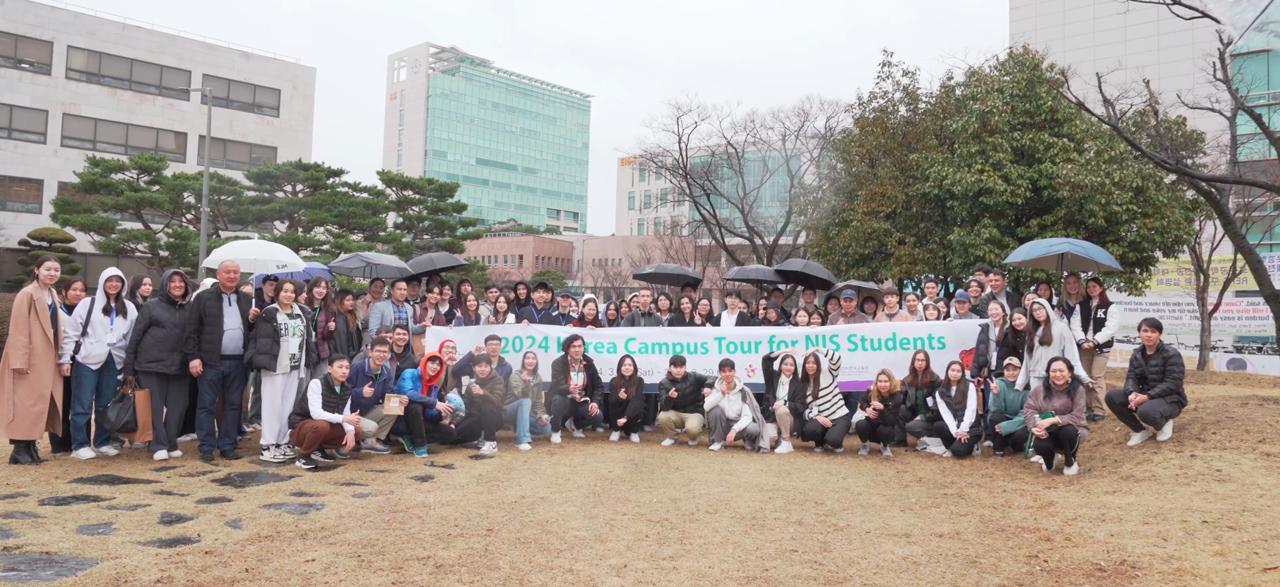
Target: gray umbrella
[
  {"x": 667, "y": 274},
  {"x": 370, "y": 265},
  {"x": 805, "y": 273},
  {"x": 862, "y": 288},
  {"x": 437, "y": 262},
  {"x": 754, "y": 274}
]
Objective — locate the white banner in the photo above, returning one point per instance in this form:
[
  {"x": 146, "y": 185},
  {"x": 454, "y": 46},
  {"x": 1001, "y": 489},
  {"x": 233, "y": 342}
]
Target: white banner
[
  {"x": 1177, "y": 311},
  {"x": 864, "y": 348}
]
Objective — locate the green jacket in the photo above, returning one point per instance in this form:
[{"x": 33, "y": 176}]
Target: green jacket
[{"x": 1008, "y": 401}]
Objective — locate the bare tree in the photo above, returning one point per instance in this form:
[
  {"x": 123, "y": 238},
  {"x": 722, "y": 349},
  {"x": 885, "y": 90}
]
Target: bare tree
[
  {"x": 752, "y": 177},
  {"x": 1208, "y": 273},
  {"x": 1241, "y": 195},
  {"x": 608, "y": 279}
]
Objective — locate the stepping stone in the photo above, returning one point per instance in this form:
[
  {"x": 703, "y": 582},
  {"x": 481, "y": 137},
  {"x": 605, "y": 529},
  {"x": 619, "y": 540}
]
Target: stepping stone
[
  {"x": 166, "y": 468},
  {"x": 41, "y": 568},
  {"x": 380, "y": 471},
  {"x": 198, "y": 473},
  {"x": 172, "y": 519},
  {"x": 294, "y": 509},
  {"x": 234, "y": 524},
  {"x": 304, "y": 494},
  {"x": 106, "y": 529},
  {"x": 167, "y": 543},
  {"x": 9, "y": 496},
  {"x": 350, "y": 484},
  {"x": 480, "y": 457},
  {"x": 364, "y": 495},
  {"x": 6, "y": 534},
  {"x": 246, "y": 479},
  {"x": 444, "y": 466},
  {"x": 214, "y": 500},
  {"x": 270, "y": 465},
  {"x": 325, "y": 468},
  {"x": 109, "y": 480},
  {"x": 167, "y": 493},
  {"x": 21, "y": 516},
  {"x": 423, "y": 478},
  {"x": 126, "y": 508},
  {"x": 66, "y": 500}
]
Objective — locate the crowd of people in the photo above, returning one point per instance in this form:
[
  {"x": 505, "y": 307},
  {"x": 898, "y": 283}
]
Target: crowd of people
[{"x": 330, "y": 373}]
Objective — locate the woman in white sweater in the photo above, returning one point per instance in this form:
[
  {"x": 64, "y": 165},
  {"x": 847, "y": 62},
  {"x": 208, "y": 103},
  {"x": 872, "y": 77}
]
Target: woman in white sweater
[
  {"x": 1047, "y": 338},
  {"x": 960, "y": 429},
  {"x": 96, "y": 336},
  {"x": 827, "y": 418}
]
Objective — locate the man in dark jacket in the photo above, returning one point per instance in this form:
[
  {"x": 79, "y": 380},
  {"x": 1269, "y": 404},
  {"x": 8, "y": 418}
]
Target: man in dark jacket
[
  {"x": 539, "y": 310},
  {"x": 682, "y": 394},
  {"x": 493, "y": 348},
  {"x": 643, "y": 315},
  {"x": 576, "y": 390},
  {"x": 155, "y": 356},
  {"x": 997, "y": 291},
  {"x": 217, "y": 335},
  {"x": 1153, "y": 394}
]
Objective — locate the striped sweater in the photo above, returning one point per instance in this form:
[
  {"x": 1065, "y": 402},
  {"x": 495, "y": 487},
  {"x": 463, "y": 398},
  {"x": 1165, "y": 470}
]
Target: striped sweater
[{"x": 830, "y": 403}]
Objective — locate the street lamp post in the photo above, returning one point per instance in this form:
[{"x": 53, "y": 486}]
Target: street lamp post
[{"x": 207, "y": 93}]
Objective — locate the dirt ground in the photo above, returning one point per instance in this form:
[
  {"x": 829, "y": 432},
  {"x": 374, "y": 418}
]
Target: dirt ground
[{"x": 1197, "y": 510}]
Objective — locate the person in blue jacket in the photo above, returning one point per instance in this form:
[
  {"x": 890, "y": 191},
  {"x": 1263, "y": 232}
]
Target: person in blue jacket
[
  {"x": 371, "y": 379},
  {"x": 425, "y": 414}
]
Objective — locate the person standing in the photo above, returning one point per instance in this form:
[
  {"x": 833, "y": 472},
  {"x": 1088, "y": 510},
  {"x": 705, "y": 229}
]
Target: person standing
[
  {"x": 732, "y": 316},
  {"x": 1153, "y": 394},
  {"x": 539, "y": 307},
  {"x": 322, "y": 319},
  {"x": 784, "y": 398},
  {"x": 828, "y": 418},
  {"x": 283, "y": 349},
  {"x": 219, "y": 320},
  {"x": 392, "y": 311},
  {"x": 1093, "y": 326},
  {"x": 154, "y": 356},
  {"x": 96, "y": 337},
  {"x": 469, "y": 311},
  {"x": 1046, "y": 339},
  {"x": 491, "y": 294},
  {"x": 626, "y": 401},
  {"x": 377, "y": 289},
  {"x": 139, "y": 289},
  {"x": 997, "y": 284},
  {"x": 848, "y": 313},
  {"x": 1054, "y": 413},
  {"x": 1072, "y": 295},
  {"x": 346, "y": 336},
  {"x": 882, "y": 404},
  {"x": 73, "y": 291},
  {"x": 562, "y": 313},
  {"x": 502, "y": 312},
  {"x": 892, "y": 312},
  {"x": 30, "y": 378},
  {"x": 643, "y": 315},
  {"x": 961, "y": 305},
  {"x": 589, "y": 315}
]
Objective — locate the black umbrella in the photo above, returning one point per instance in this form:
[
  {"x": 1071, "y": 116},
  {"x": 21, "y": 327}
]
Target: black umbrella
[
  {"x": 370, "y": 265},
  {"x": 668, "y": 274},
  {"x": 806, "y": 274},
  {"x": 862, "y": 288},
  {"x": 437, "y": 262},
  {"x": 754, "y": 274}
]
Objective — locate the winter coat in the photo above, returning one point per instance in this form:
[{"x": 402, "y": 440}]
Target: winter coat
[
  {"x": 204, "y": 325},
  {"x": 1158, "y": 375},
  {"x": 795, "y": 390},
  {"x": 324, "y": 337},
  {"x": 1013, "y": 343},
  {"x": 919, "y": 402},
  {"x": 360, "y": 375},
  {"x": 892, "y": 407},
  {"x": 1013, "y": 300},
  {"x": 345, "y": 342},
  {"x": 106, "y": 338},
  {"x": 156, "y": 343},
  {"x": 631, "y": 408},
  {"x": 33, "y": 344},
  {"x": 641, "y": 318},
  {"x": 593, "y": 387},
  {"x": 688, "y": 398},
  {"x": 1067, "y": 405},
  {"x": 264, "y": 344},
  {"x": 1008, "y": 401},
  {"x": 518, "y": 389},
  {"x": 493, "y": 386}
]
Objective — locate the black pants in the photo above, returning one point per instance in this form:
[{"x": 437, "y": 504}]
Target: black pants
[
  {"x": 1154, "y": 413},
  {"x": 562, "y": 409},
  {"x": 422, "y": 432},
  {"x": 631, "y": 427},
  {"x": 1003, "y": 442},
  {"x": 650, "y": 411},
  {"x": 189, "y": 420},
  {"x": 62, "y": 443},
  {"x": 169, "y": 395},
  {"x": 1063, "y": 439},
  {"x": 873, "y": 430},
  {"x": 958, "y": 448},
  {"x": 814, "y": 432},
  {"x": 482, "y": 422}
]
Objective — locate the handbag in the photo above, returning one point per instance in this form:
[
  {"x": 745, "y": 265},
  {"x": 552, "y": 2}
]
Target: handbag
[
  {"x": 75, "y": 351},
  {"x": 122, "y": 413}
]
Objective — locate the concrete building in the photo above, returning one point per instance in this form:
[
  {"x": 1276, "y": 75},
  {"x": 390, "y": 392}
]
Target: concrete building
[
  {"x": 517, "y": 145},
  {"x": 514, "y": 256},
  {"x": 75, "y": 84},
  {"x": 645, "y": 202}
]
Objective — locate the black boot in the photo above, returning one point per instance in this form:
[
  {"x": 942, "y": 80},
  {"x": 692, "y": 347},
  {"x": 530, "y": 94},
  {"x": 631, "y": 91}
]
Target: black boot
[
  {"x": 35, "y": 453},
  {"x": 21, "y": 454}
]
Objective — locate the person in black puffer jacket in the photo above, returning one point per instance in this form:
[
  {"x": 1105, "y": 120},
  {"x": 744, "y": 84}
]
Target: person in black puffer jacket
[
  {"x": 155, "y": 357},
  {"x": 1153, "y": 394},
  {"x": 680, "y": 396},
  {"x": 883, "y": 405}
]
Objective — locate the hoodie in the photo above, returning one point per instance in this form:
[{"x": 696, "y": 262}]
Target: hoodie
[
  {"x": 106, "y": 334},
  {"x": 418, "y": 388},
  {"x": 155, "y": 345},
  {"x": 739, "y": 405}
]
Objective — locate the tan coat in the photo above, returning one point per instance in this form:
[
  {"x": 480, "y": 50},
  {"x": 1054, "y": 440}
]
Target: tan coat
[{"x": 30, "y": 404}]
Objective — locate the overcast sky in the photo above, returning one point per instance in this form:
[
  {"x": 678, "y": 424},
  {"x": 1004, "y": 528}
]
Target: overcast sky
[{"x": 630, "y": 56}]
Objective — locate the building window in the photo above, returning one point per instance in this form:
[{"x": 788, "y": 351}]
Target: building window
[
  {"x": 26, "y": 53},
  {"x": 242, "y": 96},
  {"x": 401, "y": 117},
  {"x": 119, "y": 138},
  {"x": 124, "y": 73},
  {"x": 571, "y": 217},
  {"x": 657, "y": 225},
  {"x": 23, "y": 124},
  {"x": 21, "y": 194},
  {"x": 399, "y": 157},
  {"x": 400, "y": 69},
  {"x": 402, "y": 98},
  {"x": 519, "y": 260},
  {"x": 648, "y": 199},
  {"x": 553, "y": 214},
  {"x": 640, "y": 227},
  {"x": 644, "y": 173},
  {"x": 235, "y": 154},
  {"x": 662, "y": 198},
  {"x": 631, "y": 200},
  {"x": 400, "y": 138}
]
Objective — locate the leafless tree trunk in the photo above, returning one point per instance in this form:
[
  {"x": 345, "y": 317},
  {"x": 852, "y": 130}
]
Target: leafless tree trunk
[
  {"x": 752, "y": 177},
  {"x": 1208, "y": 273},
  {"x": 1240, "y": 195}
]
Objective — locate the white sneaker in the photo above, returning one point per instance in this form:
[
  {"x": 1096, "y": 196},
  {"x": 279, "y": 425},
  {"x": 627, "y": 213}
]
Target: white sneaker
[
  {"x": 188, "y": 438},
  {"x": 693, "y": 442},
  {"x": 865, "y": 450},
  {"x": 579, "y": 434},
  {"x": 784, "y": 447},
  {"x": 489, "y": 447},
  {"x": 568, "y": 423},
  {"x": 987, "y": 443},
  {"x": 717, "y": 446},
  {"x": 255, "y": 427},
  {"x": 817, "y": 449},
  {"x": 977, "y": 450},
  {"x": 555, "y": 438},
  {"x": 1136, "y": 438},
  {"x": 286, "y": 451},
  {"x": 1073, "y": 469},
  {"x": 615, "y": 436},
  {"x": 946, "y": 453},
  {"x": 85, "y": 454},
  {"x": 668, "y": 441},
  {"x": 271, "y": 454},
  {"x": 839, "y": 450},
  {"x": 1165, "y": 431},
  {"x": 1046, "y": 468},
  {"x": 635, "y": 437},
  {"x": 524, "y": 446},
  {"x": 679, "y": 430},
  {"x": 161, "y": 455},
  {"x": 108, "y": 450},
  {"x": 175, "y": 454},
  {"x": 1037, "y": 459}
]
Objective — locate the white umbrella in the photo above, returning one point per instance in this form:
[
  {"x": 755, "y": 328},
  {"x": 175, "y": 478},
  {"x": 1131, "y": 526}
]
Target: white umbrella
[{"x": 256, "y": 256}]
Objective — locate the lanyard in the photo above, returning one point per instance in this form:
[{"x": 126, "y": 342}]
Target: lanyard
[{"x": 537, "y": 316}]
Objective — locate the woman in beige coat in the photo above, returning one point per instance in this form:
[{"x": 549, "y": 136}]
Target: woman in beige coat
[{"x": 30, "y": 383}]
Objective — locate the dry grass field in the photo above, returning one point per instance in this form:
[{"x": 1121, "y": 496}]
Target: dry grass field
[{"x": 1198, "y": 510}]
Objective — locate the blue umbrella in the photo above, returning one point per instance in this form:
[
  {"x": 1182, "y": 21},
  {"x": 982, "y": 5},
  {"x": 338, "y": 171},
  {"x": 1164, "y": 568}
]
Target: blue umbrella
[
  {"x": 313, "y": 269},
  {"x": 1063, "y": 254}
]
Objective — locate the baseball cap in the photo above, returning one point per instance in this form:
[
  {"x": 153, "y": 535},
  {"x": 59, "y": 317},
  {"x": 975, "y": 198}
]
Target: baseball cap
[
  {"x": 963, "y": 296},
  {"x": 1013, "y": 361},
  {"x": 541, "y": 285},
  {"x": 563, "y": 293},
  {"x": 848, "y": 294}
]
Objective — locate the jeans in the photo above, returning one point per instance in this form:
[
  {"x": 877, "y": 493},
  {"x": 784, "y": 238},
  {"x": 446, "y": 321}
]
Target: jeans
[
  {"x": 562, "y": 408},
  {"x": 91, "y": 391},
  {"x": 518, "y": 416},
  {"x": 224, "y": 381}
]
